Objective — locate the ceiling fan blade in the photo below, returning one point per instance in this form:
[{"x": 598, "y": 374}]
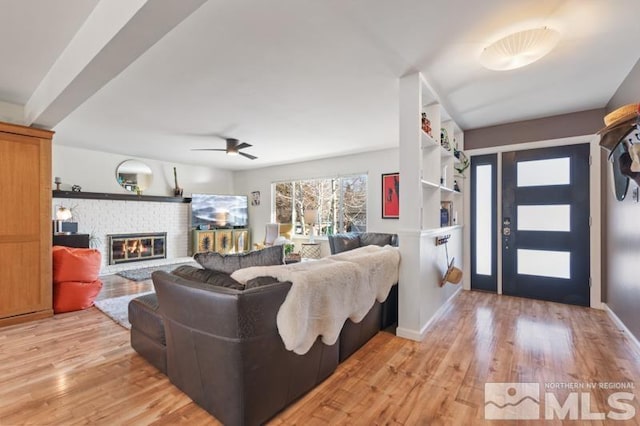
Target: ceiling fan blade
[
  {"x": 243, "y": 145},
  {"x": 249, "y": 156},
  {"x": 208, "y": 149}
]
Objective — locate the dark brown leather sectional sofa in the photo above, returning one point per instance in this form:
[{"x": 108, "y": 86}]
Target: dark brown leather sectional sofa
[{"x": 221, "y": 346}]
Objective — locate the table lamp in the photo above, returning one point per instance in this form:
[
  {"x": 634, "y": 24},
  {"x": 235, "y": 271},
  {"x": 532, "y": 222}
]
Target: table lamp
[
  {"x": 62, "y": 214},
  {"x": 310, "y": 216}
]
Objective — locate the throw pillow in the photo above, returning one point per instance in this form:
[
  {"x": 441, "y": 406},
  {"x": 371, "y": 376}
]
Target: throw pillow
[
  {"x": 230, "y": 263},
  {"x": 376, "y": 238},
  {"x": 216, "y": 278},
  {"x": 345, "y": 242},
  {"x": 259, "y": 282}
]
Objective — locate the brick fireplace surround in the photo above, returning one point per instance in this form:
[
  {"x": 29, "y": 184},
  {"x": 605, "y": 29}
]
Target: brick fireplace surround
[{"x": 100, "y": 218}]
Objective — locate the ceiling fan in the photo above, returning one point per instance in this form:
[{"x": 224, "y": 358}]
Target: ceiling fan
[{"x": 233, "y": 148}]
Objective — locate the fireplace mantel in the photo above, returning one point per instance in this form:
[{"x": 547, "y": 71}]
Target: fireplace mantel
[{"x": 119, "y": 197}]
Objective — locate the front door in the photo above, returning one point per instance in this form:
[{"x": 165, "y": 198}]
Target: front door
[{"x": 545, "y": 224}]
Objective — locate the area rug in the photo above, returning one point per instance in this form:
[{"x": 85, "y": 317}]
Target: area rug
[
  {"x": 145, "y": 273},
  {"x": 117, "y": 308}
]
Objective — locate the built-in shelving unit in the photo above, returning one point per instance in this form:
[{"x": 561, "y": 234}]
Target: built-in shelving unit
[
  {"x": 427, "y": 159},
  {"x": 428, "y": 177}
]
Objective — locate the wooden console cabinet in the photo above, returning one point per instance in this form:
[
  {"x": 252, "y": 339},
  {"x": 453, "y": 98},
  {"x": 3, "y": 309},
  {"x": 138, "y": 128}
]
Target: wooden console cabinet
[
  {"x": 221, "y": 240},
  {"x": 25, "y": 224}
]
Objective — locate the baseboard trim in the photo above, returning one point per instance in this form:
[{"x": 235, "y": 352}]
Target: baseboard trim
[
  {"x": 618, "y": 322},
  {"x": 418, "y": 336}
]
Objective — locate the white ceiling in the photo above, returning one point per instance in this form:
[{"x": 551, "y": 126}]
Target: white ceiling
[
  {"x": 33, "y": 34},
  {"x": 303, "y": 79}
]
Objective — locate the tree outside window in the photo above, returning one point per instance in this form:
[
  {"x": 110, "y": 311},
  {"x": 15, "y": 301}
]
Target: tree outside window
[{"x": 341, "y": 204}]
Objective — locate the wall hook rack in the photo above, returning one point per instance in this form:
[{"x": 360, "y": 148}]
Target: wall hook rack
[{"x": 442, "y": 239}]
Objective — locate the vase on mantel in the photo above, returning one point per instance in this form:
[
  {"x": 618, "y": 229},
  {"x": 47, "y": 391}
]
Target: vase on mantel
[{"x": 177, "y": 191}]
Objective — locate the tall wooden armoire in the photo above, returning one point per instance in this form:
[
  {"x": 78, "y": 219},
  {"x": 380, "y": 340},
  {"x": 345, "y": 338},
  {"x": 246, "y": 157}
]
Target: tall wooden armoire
[{"x": 25, "y": 224}]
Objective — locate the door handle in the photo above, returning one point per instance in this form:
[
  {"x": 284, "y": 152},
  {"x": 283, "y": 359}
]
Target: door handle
[{"x": 506, "y": 232}]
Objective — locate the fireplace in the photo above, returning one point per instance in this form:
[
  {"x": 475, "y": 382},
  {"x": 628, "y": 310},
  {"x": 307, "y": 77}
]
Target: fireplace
[{"x": 124, "y": 248}]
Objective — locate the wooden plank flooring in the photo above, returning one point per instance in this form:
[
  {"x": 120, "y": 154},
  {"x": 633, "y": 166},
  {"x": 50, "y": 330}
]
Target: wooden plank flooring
[{"x": 78, "y": 368}]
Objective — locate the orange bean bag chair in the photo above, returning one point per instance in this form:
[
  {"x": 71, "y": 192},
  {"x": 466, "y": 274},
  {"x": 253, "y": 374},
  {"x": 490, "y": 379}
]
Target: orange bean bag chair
[
  {"x": 74, "y": 296},
  {"x": 75, "y": 264},
  {"x": 75, "y": 278}
]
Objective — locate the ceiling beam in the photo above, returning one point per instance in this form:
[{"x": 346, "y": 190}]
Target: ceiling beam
[
  {"x": 11, "y": 113},
  {"x": 114, "y": 35}
]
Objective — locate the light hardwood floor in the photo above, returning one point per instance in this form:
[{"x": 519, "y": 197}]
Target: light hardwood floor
[{"x": 78, "y": 368}]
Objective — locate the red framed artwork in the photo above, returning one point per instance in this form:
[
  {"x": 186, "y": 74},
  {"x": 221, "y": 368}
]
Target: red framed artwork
[{"x": 391, "y": 195}]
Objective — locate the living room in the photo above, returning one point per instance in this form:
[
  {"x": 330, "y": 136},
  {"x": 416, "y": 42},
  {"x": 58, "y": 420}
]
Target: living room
[{"x": 315, "y": 89}]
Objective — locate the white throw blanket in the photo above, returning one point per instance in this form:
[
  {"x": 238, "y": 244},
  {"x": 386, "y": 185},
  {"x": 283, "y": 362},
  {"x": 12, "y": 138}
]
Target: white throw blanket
[{"x": 324, "y": 293}]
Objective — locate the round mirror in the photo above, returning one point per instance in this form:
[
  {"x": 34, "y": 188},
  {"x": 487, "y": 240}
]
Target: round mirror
[{"x": 134, "y": 176}]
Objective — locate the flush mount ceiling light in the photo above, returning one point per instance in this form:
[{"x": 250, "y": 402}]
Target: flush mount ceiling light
[{"x": 519, "y": 49}]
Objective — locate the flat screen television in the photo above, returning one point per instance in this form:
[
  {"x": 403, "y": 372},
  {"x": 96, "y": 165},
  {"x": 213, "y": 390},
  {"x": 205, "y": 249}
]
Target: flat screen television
[{"x": 219, "y": 211}]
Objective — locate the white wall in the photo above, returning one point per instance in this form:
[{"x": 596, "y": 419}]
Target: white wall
[
  {"x": 421, "y": 299},
  {"x": 373, "y": 163},
  {"x": 95, "y": 171},
  {"x": 11, "y": 113}
]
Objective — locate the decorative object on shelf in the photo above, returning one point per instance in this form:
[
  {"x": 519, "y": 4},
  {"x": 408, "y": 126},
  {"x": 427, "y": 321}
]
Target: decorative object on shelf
[
  {"x": 456, "y": 187},
  {"x": 519, "y": 49},
  {"x": 443, "y": 176},
  {"x": 463, "y": 164},
  {"x": 58, "y": 181},
  {"x": 446, "y": 213},
  {"x": 255, "y": 198},
  {"x": 444, "y": 217},
  {"x": 426, "y": 124},
  {"x": 391, "y": 195},
  {"x": 177, "y": 191},
  {"x": 310, "y": 218},
  {"x": 444, "y": 139},
  {"x": 76, "y": 188}
]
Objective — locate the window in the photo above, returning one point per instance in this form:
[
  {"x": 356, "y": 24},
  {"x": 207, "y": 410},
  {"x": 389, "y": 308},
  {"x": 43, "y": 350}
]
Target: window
[
  {"x": 341, "y": 204},
  {"x": 484, "y": 217}
]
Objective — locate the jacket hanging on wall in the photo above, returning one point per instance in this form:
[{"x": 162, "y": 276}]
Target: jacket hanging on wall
[{"x": 621, "y": 137}]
